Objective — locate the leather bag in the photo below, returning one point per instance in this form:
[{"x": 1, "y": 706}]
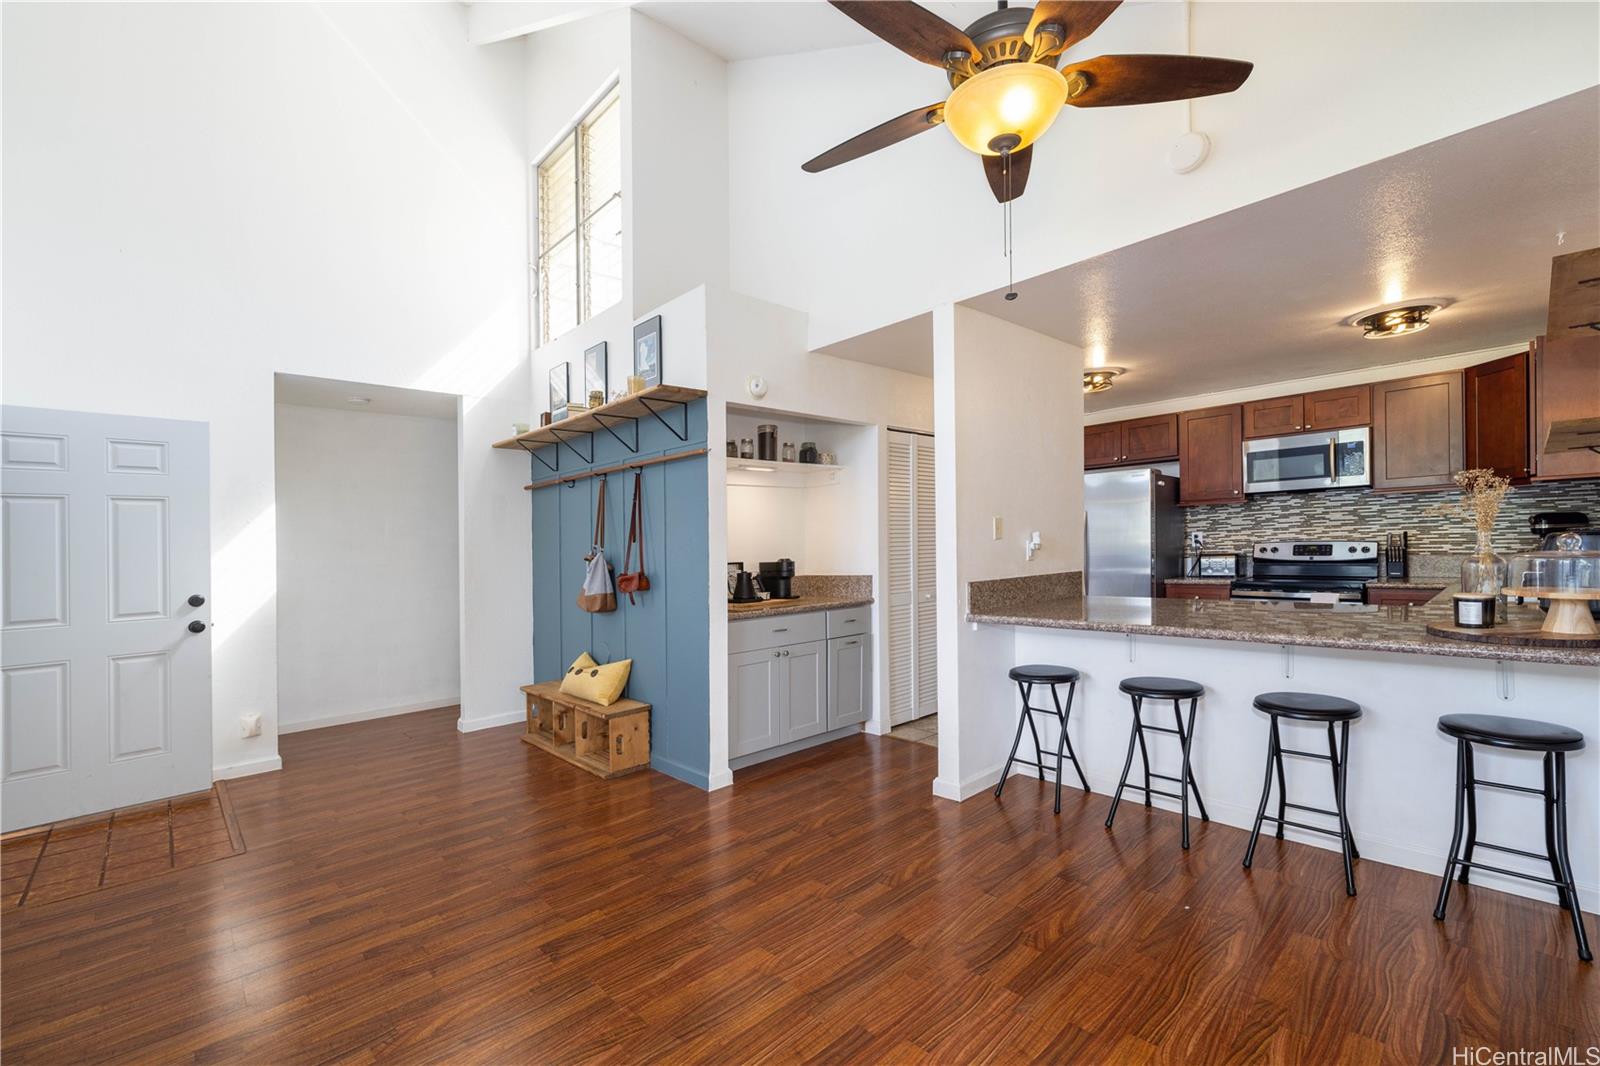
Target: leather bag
[{"x": 632, "y": 581}]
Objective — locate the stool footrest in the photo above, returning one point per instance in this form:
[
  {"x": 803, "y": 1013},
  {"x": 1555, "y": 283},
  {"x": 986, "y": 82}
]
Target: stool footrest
[
  {"x": 1160, "y": 729},
  {"x": 1508, "y": 873},
  {"x": 1051, "y": 711},
  {"x": 1166, "y": 777},
  {"x": 1512, "y": 851},
  {"x": 1314, "y": 810},
  {"x": 1307, "y": 754},
  {"x": 1303, "y": 825},
  {"x": 1510, "y": 787},
  {"x": 1155, "y": 791}
]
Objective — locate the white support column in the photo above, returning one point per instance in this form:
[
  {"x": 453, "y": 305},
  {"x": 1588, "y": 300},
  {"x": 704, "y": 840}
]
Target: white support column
[{"x": 1008, "y": 431}]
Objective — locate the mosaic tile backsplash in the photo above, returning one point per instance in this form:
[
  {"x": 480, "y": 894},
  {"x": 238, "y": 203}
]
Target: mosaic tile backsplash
[{"x": 1361, "y": 514}]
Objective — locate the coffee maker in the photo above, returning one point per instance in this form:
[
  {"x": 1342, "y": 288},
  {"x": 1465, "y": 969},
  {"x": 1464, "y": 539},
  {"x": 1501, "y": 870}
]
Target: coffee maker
[{"x": 777, "y": 578}]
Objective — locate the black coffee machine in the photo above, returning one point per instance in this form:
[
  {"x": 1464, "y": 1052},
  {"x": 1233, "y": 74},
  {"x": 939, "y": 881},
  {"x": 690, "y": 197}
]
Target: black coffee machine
[{"x": 777, "y": 578}]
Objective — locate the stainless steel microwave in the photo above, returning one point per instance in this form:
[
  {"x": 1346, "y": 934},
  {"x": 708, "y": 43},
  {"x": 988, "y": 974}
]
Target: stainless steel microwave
[{"x": 1329, "y": 459}]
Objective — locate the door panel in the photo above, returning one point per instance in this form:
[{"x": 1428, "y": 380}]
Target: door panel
[
  {"x": 36, "y": 719},
  {"x": 1102, "y": 444},
  {"x": 136, "y": 557},
  {"x": 1497, "y": 417},
  {"x": 1274, "y": 418},
  {"x": 1150, "y": 440},
  {"x": 1346, "y": 408},
  {"x": 33, "y": 544},
  {"x": 1211, "y": 453},
  {"x": 849, "y": 680},
  {"x": 1418, "y": 432},
  {"x": 927, "y": 582},
  {"x": 107, "y": 535}
]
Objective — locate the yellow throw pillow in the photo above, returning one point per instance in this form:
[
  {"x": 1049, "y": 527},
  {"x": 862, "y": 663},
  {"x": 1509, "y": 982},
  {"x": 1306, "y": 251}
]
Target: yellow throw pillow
[
  {"x": 596, "y": 683},
  {"x": 579, "y": 665}
]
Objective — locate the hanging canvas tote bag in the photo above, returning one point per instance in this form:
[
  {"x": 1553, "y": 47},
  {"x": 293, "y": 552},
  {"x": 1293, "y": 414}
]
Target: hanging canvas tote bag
[
  {"x": 631, "y": 581},
  {"x": 598, "y": 596}
]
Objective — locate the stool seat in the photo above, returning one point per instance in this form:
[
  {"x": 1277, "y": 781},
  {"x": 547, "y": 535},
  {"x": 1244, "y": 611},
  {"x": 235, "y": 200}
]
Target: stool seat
[
  {"x": 1163, "y": 688},
  {"x": 1308, "y": 706},
  {"x": 1521, "y": 734},
  {"x": 1044, "y": 675}
]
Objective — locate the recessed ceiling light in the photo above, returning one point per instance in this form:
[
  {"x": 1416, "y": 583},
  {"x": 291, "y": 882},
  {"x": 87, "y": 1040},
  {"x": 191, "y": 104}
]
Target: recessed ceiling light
[
  {"x": 1099, "y": 379},
  {"x": 359, "y": 401},
  {"x": 1396, "y": 319}
]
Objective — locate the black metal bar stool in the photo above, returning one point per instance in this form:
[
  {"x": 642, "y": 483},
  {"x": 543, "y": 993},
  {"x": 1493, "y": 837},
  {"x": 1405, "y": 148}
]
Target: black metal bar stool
[
  {"x": 1177, "y": 690},
  {"x": 1026, "y": 677},
  {"x": 1309, "y": 707},
  {"x": 1515, "y": 734}
]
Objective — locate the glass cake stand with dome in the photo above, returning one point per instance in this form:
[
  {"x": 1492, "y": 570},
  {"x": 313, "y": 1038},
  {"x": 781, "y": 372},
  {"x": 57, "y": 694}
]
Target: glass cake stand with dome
[{"x": 1567, "y": 578}]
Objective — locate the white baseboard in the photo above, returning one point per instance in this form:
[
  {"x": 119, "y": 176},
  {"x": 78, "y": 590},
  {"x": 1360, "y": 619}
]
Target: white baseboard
[
  {"x": 472, "y": 725},
  {"x": 968, "y": 786},
  {"x": 248, "y": 768},
  {"x": 722, "y": 778},
  {"x": 368, "y": 715}
]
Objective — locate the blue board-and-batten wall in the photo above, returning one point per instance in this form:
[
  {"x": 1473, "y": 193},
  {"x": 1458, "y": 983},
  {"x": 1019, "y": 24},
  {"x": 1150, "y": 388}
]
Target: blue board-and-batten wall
[{"x": 667, "y": 632}]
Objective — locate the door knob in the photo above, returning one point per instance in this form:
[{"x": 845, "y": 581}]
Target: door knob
[
  {"x": 197, "y": 600},
  {"x": 197, "y": 626}
]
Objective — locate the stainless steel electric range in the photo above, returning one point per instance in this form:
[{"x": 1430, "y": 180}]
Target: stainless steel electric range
[{"x": 1310, "y": 571}]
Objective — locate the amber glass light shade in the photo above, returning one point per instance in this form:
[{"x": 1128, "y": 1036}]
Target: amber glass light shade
[{"x": 1013, "y": 99}]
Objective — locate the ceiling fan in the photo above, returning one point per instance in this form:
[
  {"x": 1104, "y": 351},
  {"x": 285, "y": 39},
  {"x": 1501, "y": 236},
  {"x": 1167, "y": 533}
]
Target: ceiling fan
[{"x": 1006, "y": 88}]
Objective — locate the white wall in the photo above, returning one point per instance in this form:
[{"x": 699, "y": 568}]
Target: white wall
[
  {"x": 198, "y": 196},
  {"x": 368, "y": 598},
  {"x": 1335, "y": 86},
  {"x": 1008, "y": 415}
]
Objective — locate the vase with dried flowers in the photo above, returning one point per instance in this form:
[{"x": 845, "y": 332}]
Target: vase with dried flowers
[{"x": 1482, "y": 491}]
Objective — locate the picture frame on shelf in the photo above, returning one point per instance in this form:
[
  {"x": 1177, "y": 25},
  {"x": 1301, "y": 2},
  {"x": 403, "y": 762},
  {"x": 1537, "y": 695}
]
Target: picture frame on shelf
[
  {"x": 647, "y": 351},
  {"x": 594, "y": 370},
  {"x": 560, "y": 389}
]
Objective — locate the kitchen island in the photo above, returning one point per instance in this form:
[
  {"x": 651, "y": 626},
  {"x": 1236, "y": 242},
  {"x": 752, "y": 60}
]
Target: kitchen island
[{"x": 1401, "y": 771}]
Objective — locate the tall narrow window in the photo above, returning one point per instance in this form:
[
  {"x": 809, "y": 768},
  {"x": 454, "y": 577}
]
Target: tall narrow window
[{"x": 579, "y": 267}]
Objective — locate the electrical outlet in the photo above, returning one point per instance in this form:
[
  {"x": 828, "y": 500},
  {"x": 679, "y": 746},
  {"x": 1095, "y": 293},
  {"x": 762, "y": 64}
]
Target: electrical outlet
[
  {"x": 996, "y": 527},
  {"x": 1197, "y": 539},
  {"x": 249, "y": 725},
  {"x": 1031, "y": 545}
]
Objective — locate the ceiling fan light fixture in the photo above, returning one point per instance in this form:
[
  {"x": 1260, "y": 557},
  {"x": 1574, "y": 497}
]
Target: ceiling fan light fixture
[
  {"x": 1100, "y": 378},
  {"x": 1012, "y": 100}
]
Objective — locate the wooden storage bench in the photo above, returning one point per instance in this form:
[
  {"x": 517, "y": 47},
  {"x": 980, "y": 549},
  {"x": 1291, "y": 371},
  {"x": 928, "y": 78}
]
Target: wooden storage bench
[{"x": 606, "y": 741}]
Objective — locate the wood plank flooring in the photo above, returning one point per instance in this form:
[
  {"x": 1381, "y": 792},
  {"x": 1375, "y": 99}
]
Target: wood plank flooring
[{"x": 412, "y": 894}]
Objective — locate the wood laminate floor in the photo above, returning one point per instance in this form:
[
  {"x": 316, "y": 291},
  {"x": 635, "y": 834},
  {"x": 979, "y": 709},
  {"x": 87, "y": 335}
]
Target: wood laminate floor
[{"x": 413, "y": 894}]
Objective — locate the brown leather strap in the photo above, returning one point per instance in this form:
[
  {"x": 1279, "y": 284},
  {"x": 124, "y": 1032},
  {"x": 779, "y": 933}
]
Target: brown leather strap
[
  {"x": 635, "y": 524},
  {"x": 600, "y": 516}
]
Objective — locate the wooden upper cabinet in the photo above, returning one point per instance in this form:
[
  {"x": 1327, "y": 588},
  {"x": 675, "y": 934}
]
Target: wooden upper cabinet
[
  {"x": 1418, "y": 435},
  {"x": 1344, "y": 408},
  {"x": 1274, "y": 418},
  {"x": 1566, "y": 386},
  {"x": 1497, "y": 417},
  {"x": 1211, "y": 455},
  {"x": 1574, "y": 294},
  {"x": 1149, "y": 440},
  {"x": 1102, "y": 444}
]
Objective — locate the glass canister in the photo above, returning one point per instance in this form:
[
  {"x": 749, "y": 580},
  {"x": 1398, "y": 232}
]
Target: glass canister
[
  {"x": 767, "y": 442},
  {"x": 808, "y": 451},
  {"x": 788, "y": 451},
  {"x": 747, "y": 448},
  {"x": 1483, "y": 573},
  {"x": 733, "y": 450}
]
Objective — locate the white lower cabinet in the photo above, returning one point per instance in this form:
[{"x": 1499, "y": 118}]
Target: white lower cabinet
[
  {"x": 794, "y": 691},
  {"x": 849, "y": 680}
]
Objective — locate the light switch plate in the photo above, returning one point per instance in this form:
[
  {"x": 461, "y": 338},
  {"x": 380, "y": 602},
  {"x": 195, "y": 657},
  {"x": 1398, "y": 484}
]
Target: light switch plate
[{"x": 996, "y": 527}]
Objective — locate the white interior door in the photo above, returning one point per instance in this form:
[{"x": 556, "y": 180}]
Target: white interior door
[
  {"x": 926, "y": 580},
  {"x": 913, "y": 663},
  {"x": 106, "y": 536}
]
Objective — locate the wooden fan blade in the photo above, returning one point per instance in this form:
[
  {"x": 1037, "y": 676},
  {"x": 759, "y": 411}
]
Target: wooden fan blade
[
  {"x": 912, "y": 28},
  {"x": 880, "y": 136},
  {"x": 1078, "y": 18},
  {"x": 1145, "y": 79},
  {"x": 994, "y": 168}
]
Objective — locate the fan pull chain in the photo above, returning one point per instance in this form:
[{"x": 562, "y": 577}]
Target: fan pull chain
[{"x": 1011, "y": 283}]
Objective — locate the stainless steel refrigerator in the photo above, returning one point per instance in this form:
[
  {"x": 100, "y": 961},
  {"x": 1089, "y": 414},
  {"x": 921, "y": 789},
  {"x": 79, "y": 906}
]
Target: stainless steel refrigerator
[{"x": 1133, "y": 532}]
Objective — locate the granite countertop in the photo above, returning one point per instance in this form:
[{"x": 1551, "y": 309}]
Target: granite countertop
[
  {"x": 800, "y": 605},
  {"x": 1388, "y": 629},
  {"x": 1380, "y": 583}
]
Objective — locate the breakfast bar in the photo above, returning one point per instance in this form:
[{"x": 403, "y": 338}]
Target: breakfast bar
[{"x": 1401, "y": 769}]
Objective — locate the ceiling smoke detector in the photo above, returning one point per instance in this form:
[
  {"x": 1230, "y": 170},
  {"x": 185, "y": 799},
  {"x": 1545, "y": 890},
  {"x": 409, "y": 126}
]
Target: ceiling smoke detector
[
  {"x": 1397, "y": 319},
  {"x": 1099, "y": 378}
]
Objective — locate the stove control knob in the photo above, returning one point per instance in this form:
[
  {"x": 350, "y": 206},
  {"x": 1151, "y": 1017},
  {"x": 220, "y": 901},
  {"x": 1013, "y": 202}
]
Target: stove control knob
[
  {"x": 1366, "y": 549},
  {"x": 1274, "y": 549},
  {"x": 1352, "y": 548}
]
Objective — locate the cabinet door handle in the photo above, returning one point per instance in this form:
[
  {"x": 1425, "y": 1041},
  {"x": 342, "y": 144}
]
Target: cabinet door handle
[{"x": 785, "y": 629}]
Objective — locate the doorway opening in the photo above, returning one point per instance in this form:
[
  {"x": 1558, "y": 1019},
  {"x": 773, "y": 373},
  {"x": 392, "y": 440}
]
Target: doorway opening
[{"x": 368, "y": 585}]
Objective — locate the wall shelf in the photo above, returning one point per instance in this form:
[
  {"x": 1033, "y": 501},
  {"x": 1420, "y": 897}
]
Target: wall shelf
[
  {"x": 754, "y": 472},
  {"x": 667, "y": 404}
]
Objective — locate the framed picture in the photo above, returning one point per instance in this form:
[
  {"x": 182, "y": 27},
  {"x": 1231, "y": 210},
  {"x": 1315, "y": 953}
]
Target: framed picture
[
  {"x": 647, "y": 351},
  {"x": 560, "y": 387},
  {"x": 594, "y": 371}
]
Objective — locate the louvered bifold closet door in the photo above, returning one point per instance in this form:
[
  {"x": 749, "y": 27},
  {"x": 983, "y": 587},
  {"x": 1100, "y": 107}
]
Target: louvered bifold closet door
[
  {"x": 926, "y": 576},
  {"x": 901, "y": 581}
]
